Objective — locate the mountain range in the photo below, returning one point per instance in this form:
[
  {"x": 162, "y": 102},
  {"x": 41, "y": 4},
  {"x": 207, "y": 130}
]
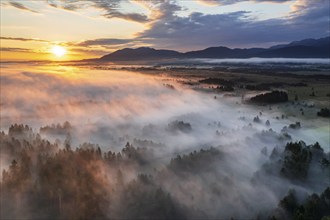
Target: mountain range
[{"x": 308, "y": 48}]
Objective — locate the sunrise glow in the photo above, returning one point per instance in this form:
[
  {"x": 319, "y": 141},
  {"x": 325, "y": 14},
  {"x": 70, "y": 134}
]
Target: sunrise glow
[{"x": 58, "y": 51}]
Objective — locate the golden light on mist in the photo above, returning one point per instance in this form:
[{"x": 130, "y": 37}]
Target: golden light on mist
[{"x": 58, "y": 51}]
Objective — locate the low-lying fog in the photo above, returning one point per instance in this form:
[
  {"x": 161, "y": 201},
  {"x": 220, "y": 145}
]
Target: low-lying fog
[
  {"x": 267, "y": 60},
  {"x": 111, "y": 108},
  {"x": 105, "y": 106}
]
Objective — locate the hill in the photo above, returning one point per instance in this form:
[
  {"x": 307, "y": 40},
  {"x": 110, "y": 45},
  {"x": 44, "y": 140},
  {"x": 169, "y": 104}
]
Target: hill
[
  {"x": 142, "y": 53},
  {"x": 308, "y": 48}
]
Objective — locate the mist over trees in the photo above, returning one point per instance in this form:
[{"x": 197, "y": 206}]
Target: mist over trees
[
  {"x": 130, "y": 146},
  {"x": 54, "y": 180}
]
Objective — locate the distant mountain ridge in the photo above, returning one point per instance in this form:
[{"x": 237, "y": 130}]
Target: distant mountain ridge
[
  {"x": 142, "y": 53},
  {"x": 308, "y": 48}
]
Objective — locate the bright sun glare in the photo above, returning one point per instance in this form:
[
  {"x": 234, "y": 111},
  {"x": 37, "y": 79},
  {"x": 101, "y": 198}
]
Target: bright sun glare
[{"x": 58, "y": 51}]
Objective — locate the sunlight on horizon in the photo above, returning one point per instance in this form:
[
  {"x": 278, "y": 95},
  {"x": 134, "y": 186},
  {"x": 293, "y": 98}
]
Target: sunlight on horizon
[{"x": 58, "y": 51}]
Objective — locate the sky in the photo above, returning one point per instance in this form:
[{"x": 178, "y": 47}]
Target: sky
[{"x": 87, "y": 29}]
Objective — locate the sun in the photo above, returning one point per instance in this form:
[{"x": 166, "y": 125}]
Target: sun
[{"x": 58, "y": 51}]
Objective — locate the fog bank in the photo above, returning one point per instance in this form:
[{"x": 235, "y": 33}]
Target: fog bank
[{"x": 108, "y": 108}]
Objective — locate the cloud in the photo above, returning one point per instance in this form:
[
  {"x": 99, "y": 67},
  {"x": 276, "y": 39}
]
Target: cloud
[
  {"x": 21, "y": 6},
  {"x": 23, "y": 39},
  {"x": 129, "y": 16},
  {"x": 20, "y": 50},
  {"x": 229, "y": 2},
  {"x": 110, "y": 9},
  {"x": 167, "y": 28},
  {"x": 307, "y": 20},
  {"x": 200, "y": 30},
  {"x": 15, "y": 49},
  {"x": 102, "y": 46},
  {"x": 103, "y": 42},
  {"x": 312, "y": 12}
]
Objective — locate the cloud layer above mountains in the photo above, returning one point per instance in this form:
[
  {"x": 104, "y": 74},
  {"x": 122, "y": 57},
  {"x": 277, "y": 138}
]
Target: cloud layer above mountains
[{"x": 166, "y": 25}]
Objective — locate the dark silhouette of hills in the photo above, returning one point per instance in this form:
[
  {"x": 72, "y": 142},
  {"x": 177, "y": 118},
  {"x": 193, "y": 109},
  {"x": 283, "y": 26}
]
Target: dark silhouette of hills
[
  {"x": 142, "y": 53},
  {"x": 308, "y": 48},
  {"x": 299, "y": 51},
  {"x": 223, "y": 52},
  {"x": 307, "y": 42}
]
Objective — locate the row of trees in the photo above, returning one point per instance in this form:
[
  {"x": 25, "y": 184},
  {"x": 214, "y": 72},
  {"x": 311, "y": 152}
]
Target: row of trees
[
  {"x": 271, "y": 97},
  {"x": 313, "y": 207},
  {"x": 49, "y": 181}
]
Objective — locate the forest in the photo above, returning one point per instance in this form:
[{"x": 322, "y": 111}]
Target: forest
[{"x": 55, "y": 180}]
